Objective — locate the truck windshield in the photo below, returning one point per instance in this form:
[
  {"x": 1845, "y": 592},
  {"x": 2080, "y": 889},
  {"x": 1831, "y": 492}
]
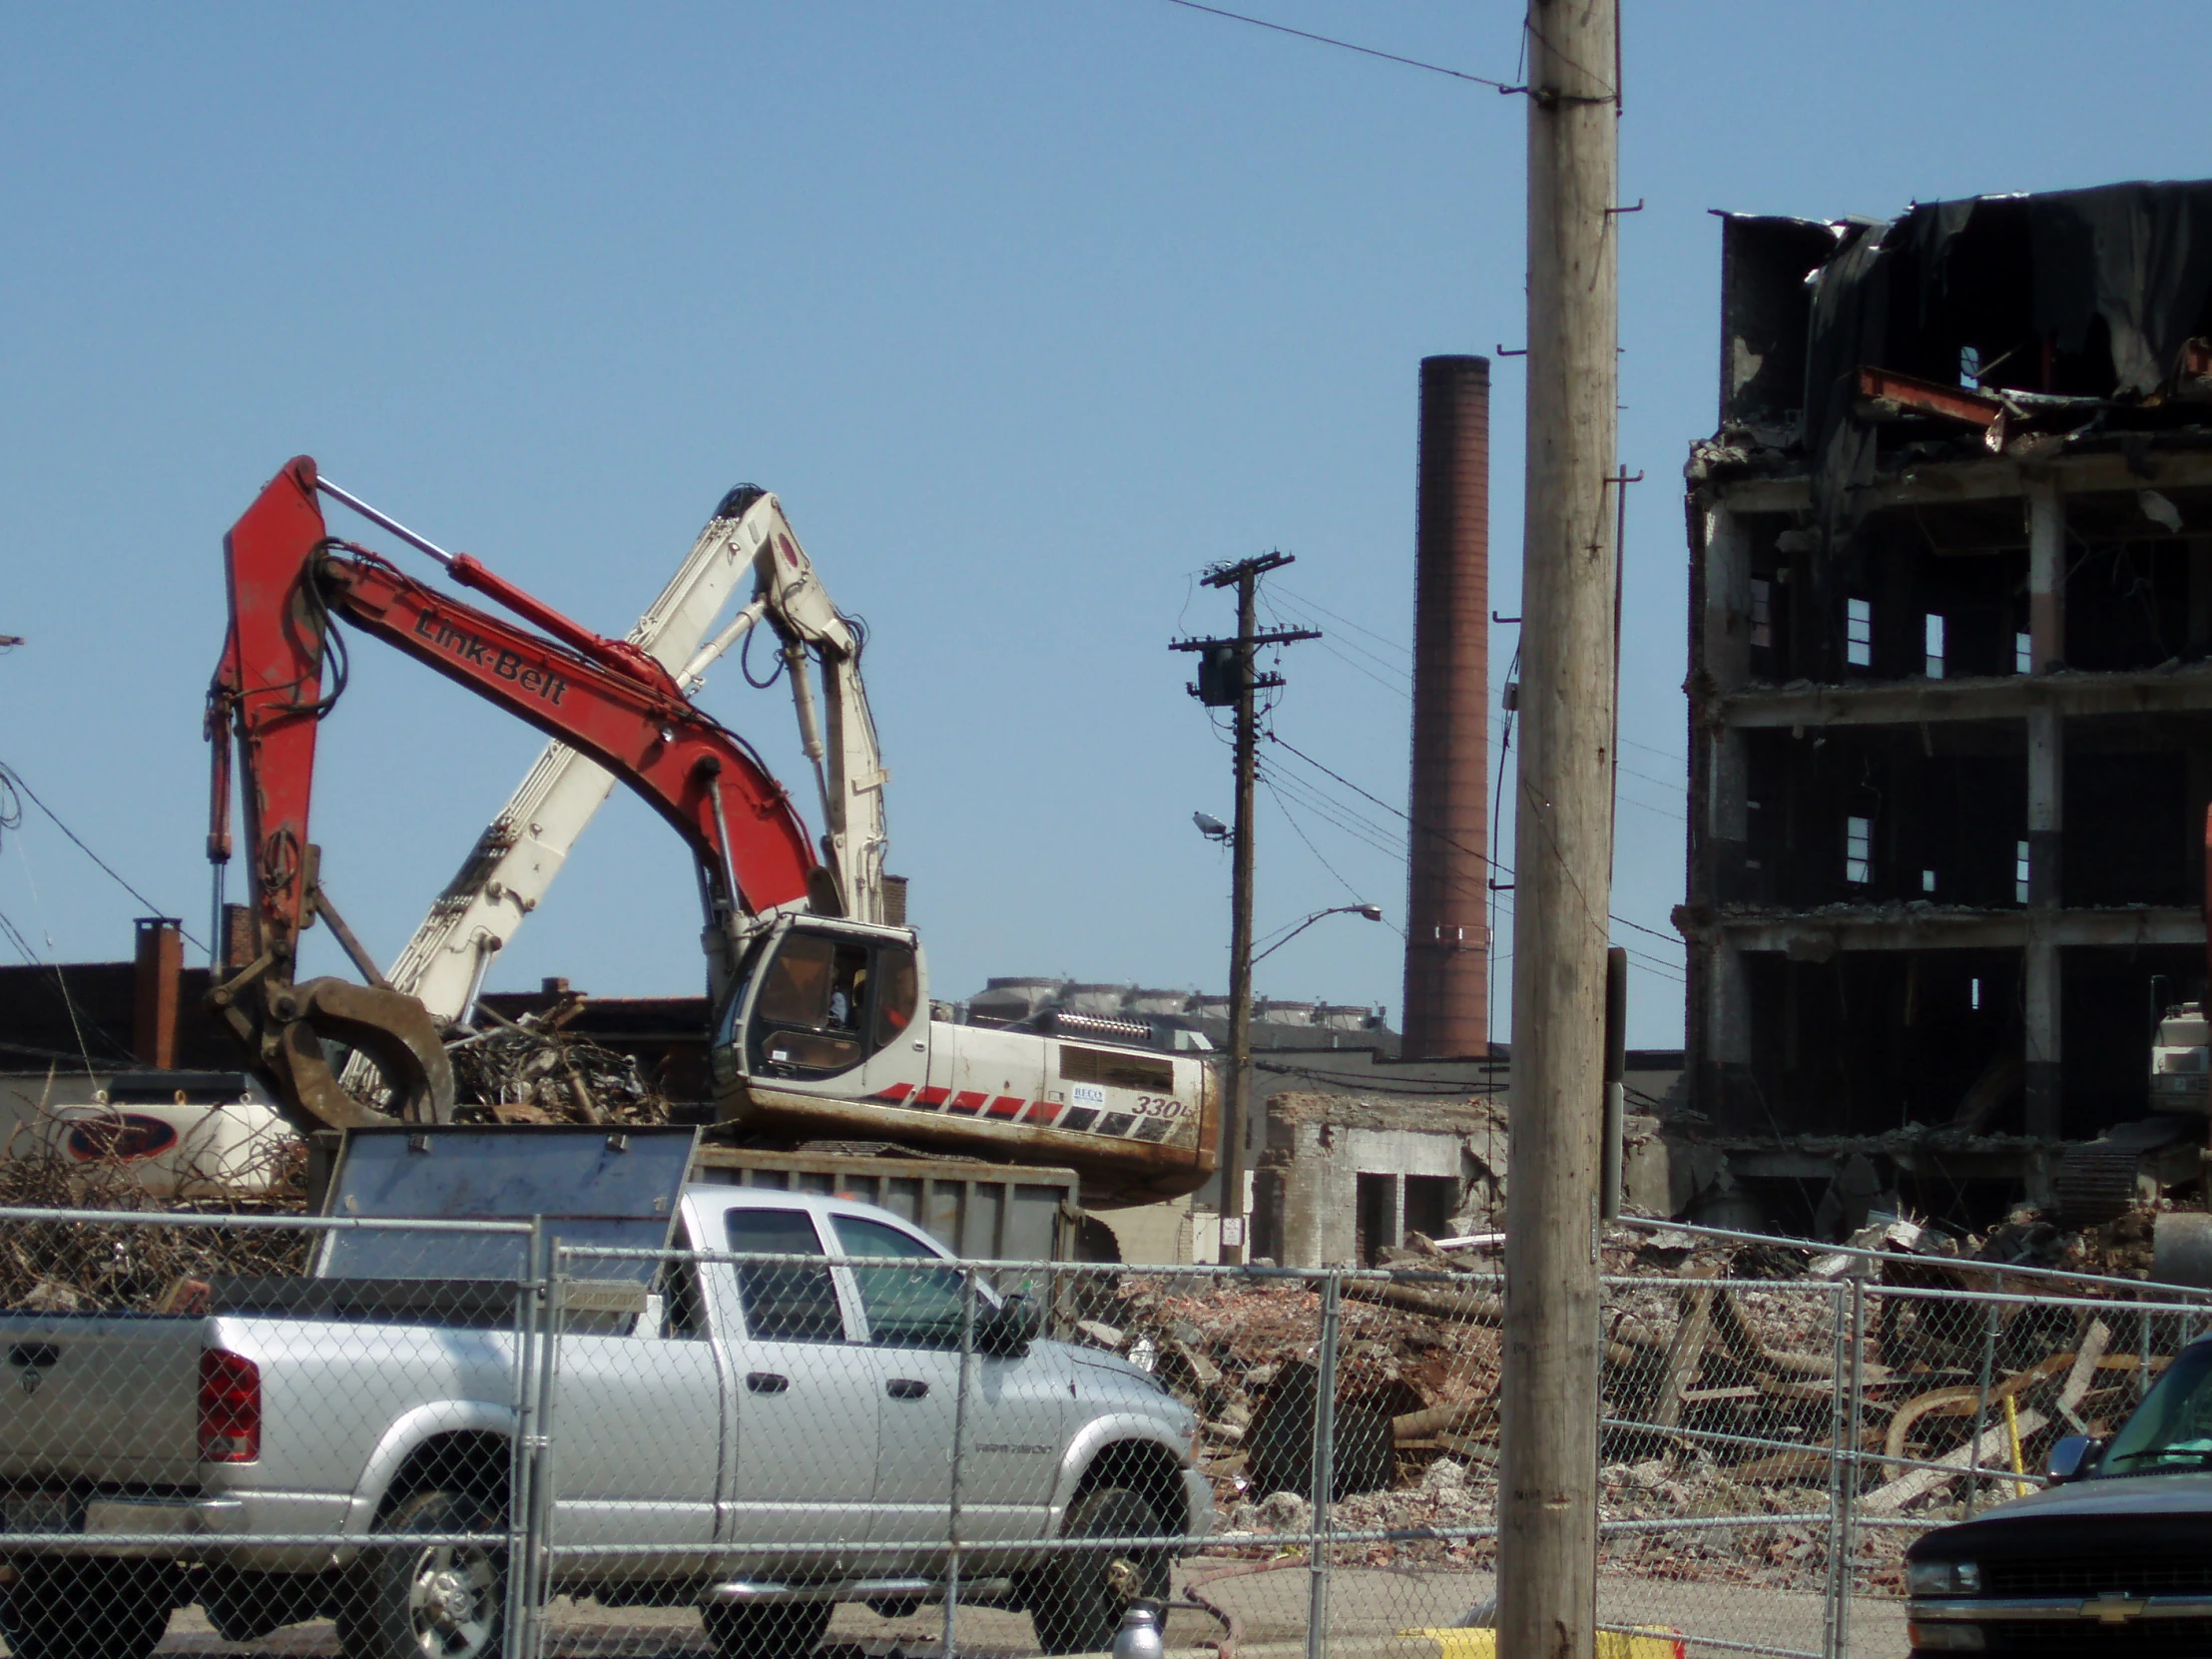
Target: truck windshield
[{"x": 2172, "y": 1429}]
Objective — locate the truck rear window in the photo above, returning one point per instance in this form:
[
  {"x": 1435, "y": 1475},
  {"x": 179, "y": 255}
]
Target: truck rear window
[{"x": 784, "y": 1303}]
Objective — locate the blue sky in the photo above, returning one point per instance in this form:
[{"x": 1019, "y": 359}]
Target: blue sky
[{"x": 1028, "y": 312}]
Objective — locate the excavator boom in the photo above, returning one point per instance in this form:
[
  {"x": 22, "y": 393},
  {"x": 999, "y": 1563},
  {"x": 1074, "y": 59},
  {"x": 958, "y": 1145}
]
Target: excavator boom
[{"x": 605, "y": 699}]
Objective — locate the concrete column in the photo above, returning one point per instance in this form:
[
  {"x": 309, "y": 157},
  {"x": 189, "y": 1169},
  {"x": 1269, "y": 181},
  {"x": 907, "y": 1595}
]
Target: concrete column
[
  {"x": 2047, "y": 782},
  {"x": 1727, "y": 651},
  {"x": 2046, "y": 574},
  {"x": 1727, "y": 594},
  {"x": 2041, "y": 1009},
  {"x": 1727, "y": 1031}
]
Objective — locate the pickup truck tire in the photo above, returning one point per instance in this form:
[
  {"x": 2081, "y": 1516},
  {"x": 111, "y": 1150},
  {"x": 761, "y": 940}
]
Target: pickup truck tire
[
  {"x": 246, "y": 1607},
  {"x": 1076, "y": 1603},
  {"x": 766, "y": 1629},
  {"x": 62, "y": 1609},
  {"x": 440, "y": 1602}
]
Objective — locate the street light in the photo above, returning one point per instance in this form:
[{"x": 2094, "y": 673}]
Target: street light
[{"x": 1373, "y": 913}]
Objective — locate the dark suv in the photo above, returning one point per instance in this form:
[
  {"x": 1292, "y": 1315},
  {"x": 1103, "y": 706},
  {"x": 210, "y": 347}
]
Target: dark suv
[{"x": 2113, "y": 1556}]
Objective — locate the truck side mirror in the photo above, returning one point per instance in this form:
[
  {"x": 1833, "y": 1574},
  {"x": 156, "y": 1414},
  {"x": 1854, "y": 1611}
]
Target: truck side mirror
[
  {"x": 1008, "y": 1330},
  {"x": 2071, "y": 1458}
]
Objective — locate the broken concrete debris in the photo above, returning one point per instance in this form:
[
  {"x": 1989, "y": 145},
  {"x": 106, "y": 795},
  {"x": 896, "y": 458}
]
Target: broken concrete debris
[{"x": 1717, "y": 1355}]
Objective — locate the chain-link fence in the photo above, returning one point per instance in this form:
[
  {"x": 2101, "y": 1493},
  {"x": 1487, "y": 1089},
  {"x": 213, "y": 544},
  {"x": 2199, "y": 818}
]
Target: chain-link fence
[{"x": 456, "y": 1441}]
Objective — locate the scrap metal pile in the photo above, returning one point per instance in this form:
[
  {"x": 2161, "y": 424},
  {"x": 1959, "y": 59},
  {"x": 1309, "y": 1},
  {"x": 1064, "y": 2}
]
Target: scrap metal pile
[
  {"x": 72, "y": 1267},
  {"x": 533, "y": 1070}
]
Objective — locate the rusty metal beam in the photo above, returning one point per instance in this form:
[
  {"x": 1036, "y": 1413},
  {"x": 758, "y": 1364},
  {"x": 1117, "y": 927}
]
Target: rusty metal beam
[{"x": 1911, "y": 393}]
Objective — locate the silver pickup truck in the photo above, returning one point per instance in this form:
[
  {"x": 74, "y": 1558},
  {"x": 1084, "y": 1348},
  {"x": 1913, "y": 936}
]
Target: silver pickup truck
[{"x": 760, "y": 1442}]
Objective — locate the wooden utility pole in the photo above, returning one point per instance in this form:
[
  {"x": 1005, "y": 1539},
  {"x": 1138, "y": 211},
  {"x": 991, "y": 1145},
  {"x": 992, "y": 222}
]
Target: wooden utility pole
[
  {"x": 1226, "y": 678},
  {"x": 1562, "y": 844}
]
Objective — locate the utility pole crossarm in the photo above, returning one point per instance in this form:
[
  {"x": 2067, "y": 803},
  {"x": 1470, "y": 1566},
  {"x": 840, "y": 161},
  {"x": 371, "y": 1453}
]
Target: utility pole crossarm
[{"x": 1280, "y": 635}]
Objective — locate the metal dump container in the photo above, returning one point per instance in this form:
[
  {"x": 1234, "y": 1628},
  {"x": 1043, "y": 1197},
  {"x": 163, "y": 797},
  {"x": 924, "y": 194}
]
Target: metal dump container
[{"x": 995, "y": 1212}]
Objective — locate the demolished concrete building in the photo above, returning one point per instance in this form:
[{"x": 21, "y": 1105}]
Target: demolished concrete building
[{"x": 1950, "y": 705}]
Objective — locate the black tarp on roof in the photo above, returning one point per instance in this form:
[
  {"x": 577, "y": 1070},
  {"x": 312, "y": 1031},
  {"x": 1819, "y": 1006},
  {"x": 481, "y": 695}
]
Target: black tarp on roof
[{"x": 2089, "y": 293}]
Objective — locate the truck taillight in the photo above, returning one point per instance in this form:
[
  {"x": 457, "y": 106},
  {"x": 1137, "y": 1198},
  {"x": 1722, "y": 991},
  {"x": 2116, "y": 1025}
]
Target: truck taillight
[{"x": 229, "y": 1409}]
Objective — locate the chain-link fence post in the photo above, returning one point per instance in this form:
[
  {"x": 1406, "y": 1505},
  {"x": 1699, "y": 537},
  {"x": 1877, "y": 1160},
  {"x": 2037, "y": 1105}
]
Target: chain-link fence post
[
  {"x": 545, "y": 1249},
  {"x": 959, "y": 1461},
  {"x": 1843, "y": 1419},
  {"x": 523, "y": 1539},
  {"x": 1325, "y": 1473},
  {"x": 1973, "y": 1501},
  {"x": 1854, "y": 1392}
]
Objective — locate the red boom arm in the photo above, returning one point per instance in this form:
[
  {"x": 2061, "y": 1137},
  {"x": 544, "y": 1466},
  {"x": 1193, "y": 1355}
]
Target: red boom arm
[{"x": 601, "y": 697}]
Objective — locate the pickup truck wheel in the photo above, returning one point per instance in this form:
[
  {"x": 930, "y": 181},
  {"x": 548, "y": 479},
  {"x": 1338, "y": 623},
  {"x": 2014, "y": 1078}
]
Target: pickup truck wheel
[
  {"x": 439, "y": 1601},
  {"x": 62, "y": 1609},
  {"x": 766, "y": 1629},
  {"x": 246, "y": 1607},
  {"x": 1077, "y": 1599}
]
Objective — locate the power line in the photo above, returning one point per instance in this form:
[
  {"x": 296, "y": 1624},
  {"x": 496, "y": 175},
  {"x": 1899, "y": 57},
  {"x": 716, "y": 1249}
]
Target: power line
[
  {"x": 1395, "y": 849},
  {"x": 14, "y": 780},
  {"x": 1348, "y": 46},
  {"x": 1663, "y": 754},
  {"x": 1277, "y": 738},
  {"x": 1310, "y": 846},
  {"x": 1297, "y": 598}
]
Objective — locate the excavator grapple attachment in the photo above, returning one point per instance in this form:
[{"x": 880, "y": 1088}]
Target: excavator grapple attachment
[{"x": 285, "y": 1024}]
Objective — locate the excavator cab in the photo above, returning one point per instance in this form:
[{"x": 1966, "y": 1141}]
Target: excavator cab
[{"x": 827, "y": 1003}]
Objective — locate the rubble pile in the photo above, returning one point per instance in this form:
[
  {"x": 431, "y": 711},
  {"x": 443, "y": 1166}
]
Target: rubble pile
[
  {"x": 1727, "y": 1380},
  {"x": 532, "y": 1070}
]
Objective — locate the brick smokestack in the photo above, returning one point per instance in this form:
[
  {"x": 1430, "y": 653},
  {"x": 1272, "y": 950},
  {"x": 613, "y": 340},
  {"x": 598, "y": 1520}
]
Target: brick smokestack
[
  {"x": 1446, "y": 935},
  {"x": 155, "y": 991}
]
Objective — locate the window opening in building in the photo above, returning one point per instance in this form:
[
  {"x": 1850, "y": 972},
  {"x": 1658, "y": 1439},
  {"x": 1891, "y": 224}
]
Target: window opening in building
[
  {"x": 2020, "y": 872},
  {"x": 1928, "y": 880},
  {"x": 1976, "y": 996},
  {"x": 1430, "y": 1201},
  {"x": 1934, "y": 647},
  {"x": 1970, "y": 367},
  {"x": 2023, "y": 655},
  {"x": 1859, "y": 633},
  {"x": 1858, "y": 851},
  {"x": 1374, "y": 1217},
  {"x": 1762, "y": 615}
]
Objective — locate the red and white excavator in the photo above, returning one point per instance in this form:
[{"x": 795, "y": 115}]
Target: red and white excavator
[{"x": 822, "y": 1015}]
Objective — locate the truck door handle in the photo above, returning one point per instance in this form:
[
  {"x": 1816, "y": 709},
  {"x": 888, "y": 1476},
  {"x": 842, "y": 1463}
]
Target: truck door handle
[
  {"x": 905, "y": 1387},
  {"x": 765, "y": 1381},
  {"x": 38, "y": 1354}
]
